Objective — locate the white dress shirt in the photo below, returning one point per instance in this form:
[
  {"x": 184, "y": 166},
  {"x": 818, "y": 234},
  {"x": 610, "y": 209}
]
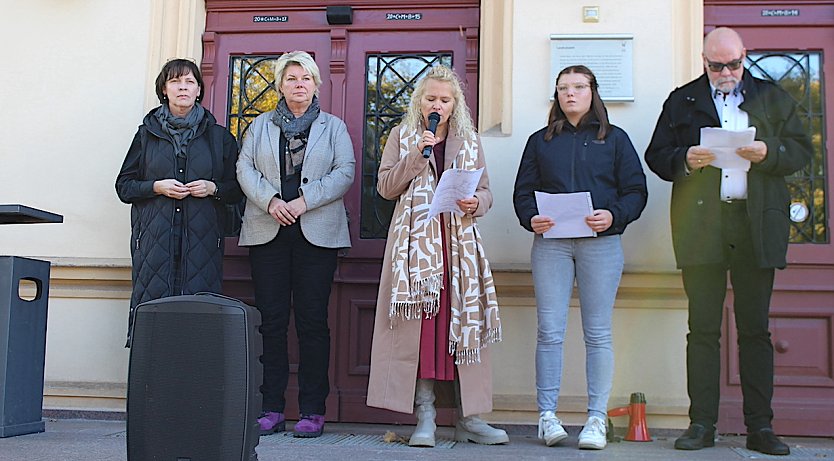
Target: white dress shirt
[{"x": 733, "y": 182}]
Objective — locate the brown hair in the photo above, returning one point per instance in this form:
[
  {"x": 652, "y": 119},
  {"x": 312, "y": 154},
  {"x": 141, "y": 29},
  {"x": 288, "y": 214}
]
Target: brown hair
[
  {"x": 177, "y": 68},
  {"x": 556, "y": 119}
]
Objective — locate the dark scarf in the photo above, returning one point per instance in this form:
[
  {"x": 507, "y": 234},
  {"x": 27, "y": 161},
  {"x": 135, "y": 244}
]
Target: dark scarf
[
  {"x": 295, "y": 131},
  {"x": 180, "y": 129}
]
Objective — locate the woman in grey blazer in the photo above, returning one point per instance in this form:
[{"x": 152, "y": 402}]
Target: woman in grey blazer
[{"x": 295, "y": 166}]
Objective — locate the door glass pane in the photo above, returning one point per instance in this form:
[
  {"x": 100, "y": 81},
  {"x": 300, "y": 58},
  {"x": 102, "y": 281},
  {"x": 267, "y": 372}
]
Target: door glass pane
[
  {"x": 251, "y": 90},
  {"x": 799, "y": 74},
  {"x": 390, "y": 80}
]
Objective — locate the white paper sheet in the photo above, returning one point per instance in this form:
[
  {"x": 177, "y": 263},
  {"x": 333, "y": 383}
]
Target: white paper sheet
[
  {"x": 455, "y": 184},
  {"x": 723, "y": 143},
  {"x": 568, "y": 212}
]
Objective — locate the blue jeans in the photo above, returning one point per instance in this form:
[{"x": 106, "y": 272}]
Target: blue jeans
[{"x": 597, "y": 265}]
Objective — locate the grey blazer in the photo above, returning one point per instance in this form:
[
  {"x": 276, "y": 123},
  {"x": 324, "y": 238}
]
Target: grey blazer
[{"x": 326, "y": 175}]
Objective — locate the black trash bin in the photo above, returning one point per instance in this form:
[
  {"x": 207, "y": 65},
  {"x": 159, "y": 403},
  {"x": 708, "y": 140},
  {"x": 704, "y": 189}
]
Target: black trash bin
[
  {"x": 22, "y": 330},
  {"x": 22, "y": 345}
]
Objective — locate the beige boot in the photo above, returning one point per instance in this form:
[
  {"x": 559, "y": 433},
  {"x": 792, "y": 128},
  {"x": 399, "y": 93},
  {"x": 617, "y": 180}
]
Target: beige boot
[
  {"x": 423, "y": 435},
  {"x": 474, "y": 429}
]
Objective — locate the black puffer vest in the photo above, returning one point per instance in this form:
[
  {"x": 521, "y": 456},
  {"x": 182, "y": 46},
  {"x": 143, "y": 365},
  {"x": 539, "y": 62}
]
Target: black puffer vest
[{"x": 154, "y": 235}]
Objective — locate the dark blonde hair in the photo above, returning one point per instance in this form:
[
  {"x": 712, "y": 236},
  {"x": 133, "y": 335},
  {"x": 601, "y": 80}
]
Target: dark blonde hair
[{"x": 556, "y": 119}]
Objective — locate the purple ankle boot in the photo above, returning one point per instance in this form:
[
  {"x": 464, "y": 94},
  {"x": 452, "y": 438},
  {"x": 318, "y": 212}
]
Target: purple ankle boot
[
  {"x": 309, "y": 426},
  {"x": 271, "y": 422}
]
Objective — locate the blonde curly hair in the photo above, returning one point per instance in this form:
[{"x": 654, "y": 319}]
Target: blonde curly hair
[{"x": 460, "y": 121}]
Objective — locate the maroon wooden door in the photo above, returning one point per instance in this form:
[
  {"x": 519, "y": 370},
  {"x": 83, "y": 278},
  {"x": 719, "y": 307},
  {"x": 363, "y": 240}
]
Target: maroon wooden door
[
  {"x": 368, "y": 70},
  {"x": 792, "y": 43},
  {"x": 383, "y": 66}
]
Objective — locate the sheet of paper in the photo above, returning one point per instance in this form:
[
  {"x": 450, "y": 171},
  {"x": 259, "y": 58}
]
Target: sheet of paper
[
  {"x": 723, "y": 143},
  {"x": 455, "y": 184},
  {"x": 568, "y": 212}
]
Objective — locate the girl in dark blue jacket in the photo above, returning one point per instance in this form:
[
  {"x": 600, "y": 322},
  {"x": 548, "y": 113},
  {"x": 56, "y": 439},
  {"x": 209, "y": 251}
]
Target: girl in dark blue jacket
[{"x": 578, "y": 151}]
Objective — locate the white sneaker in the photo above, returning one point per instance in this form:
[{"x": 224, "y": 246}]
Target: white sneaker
[
  {"x": 592, "y": 436},
  {"x": 550, "y": 429}
]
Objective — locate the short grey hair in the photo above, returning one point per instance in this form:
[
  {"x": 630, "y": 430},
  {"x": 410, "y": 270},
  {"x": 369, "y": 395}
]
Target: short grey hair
[{"x": 301, "y": 58}]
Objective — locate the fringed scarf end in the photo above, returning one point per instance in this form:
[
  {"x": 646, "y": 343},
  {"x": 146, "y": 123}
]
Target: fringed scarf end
[
  {"x": 465, "y": 356},
  {"x": 404, "y": 310},
  {"x": 410, "y": 310},
  {"x": 492, "y": 336},
  {"x": 429, "y": 286}
]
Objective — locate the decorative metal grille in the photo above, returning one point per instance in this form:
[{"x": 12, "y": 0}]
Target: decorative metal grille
[
  {"x": 798, "y": 73},
  {"x": 390, "y": 80},
  {"x": 251, "y": 90}
]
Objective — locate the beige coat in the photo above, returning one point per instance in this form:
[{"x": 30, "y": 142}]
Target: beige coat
[{"x": 395, "y": 348}]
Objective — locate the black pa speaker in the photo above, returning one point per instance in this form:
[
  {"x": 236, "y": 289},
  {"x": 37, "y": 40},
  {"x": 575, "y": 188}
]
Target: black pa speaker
[{"x": 193, "y": 382}]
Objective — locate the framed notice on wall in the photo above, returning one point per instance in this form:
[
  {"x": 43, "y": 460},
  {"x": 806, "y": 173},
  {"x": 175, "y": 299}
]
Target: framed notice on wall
[{"x": 609, "y": 56}]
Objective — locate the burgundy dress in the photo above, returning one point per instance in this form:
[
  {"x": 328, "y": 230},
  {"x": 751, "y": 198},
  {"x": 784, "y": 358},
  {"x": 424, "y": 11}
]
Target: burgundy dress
[{"x": 435, "y": 361}]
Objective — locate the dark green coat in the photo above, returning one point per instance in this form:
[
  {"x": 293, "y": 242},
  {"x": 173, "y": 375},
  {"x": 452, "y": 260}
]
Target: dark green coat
[{"x": 696, "y": 206}]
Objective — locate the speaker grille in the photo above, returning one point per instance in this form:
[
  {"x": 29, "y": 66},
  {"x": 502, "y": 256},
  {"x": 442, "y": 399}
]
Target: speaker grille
[{"x": 189, "y": 387}]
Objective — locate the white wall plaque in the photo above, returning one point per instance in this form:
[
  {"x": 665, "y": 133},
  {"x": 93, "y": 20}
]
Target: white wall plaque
[{"x": 609, "y": 56}]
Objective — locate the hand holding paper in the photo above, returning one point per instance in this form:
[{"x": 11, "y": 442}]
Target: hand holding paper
[
  {"x": 455, "y": 184},
  {"x": 723, "y": 143},
  {"x": 755, "y": 152},
  {"x": 568, "y": 211}
]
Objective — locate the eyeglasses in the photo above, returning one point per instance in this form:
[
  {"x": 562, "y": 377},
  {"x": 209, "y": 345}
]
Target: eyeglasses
[
  {"x": 578, "y": 88},
  {"x": 735, "y": 64}
]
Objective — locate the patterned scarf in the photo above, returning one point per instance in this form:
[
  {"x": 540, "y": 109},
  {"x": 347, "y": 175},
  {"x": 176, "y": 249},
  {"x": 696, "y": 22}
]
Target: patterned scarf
[
  {"x": 295, "y": 131},
  {"x": 417, "y": 263},
  {"x": 180, "y": 129}
]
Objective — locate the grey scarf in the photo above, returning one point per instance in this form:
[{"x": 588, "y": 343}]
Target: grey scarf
[
  {"x": 295, "y": 131},
  {"x": 180, "y": 129}
]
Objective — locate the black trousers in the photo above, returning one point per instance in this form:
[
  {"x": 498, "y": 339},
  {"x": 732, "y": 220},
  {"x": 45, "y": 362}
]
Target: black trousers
[
  {"x": 705, "y": 287},
  {"x": 290, "y": 273}
]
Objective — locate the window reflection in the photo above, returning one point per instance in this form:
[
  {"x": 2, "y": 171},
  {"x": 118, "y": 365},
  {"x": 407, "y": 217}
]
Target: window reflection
[
  {"x": 798, "y": 73},
  {"x": 390, "y": 79},
  {"x": 251, "y": 90}
]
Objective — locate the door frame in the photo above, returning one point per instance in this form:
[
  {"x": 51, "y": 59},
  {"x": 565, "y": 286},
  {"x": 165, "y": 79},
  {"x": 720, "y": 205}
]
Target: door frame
[
  {"x": 802, "y": 305},
  {"x": 353, "y": 297}
]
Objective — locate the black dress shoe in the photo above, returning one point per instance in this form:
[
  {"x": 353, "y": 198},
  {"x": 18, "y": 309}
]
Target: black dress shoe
[
  {"x": 765, "y": 441},
  {"x": 696, "y": 437}
]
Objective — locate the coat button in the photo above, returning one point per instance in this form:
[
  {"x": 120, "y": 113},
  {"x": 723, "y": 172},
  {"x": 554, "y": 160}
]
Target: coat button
[
  {"x": 178, "y": 210},
  {"x": 304, "y": 180}
]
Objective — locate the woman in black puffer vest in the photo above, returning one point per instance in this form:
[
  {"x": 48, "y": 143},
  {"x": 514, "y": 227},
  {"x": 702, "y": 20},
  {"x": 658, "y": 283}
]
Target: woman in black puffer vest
[{"x": 177, "y": 176}]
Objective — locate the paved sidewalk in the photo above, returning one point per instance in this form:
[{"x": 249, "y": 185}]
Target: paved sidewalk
[{"x": 88, "y": 440}]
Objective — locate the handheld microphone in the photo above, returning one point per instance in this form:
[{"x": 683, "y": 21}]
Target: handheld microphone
[{"x": 434, "y": 119}]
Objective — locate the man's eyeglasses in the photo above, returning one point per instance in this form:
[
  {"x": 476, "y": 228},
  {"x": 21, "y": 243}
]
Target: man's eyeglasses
[
  {"x": 579, "y": 87},
  {"x": 735, "y": 64}
]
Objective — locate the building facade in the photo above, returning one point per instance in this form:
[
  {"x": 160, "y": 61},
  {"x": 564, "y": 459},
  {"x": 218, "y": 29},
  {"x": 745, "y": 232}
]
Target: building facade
[{"x": 72, "y": 122}]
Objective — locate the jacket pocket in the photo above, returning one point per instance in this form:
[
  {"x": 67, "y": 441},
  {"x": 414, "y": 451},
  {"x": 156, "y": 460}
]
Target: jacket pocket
[
  {"x": 682, "y": 130},
  {"x": 776, "y": 226},
  {"x": 599, "y": 154}
]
